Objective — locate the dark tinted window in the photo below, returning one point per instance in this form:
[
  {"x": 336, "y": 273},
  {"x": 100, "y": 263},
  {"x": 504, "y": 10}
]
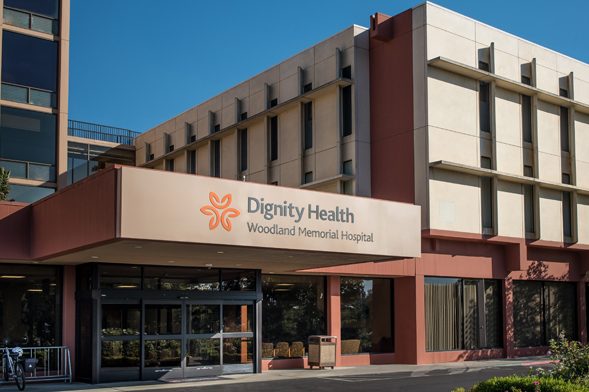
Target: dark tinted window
[
  {"x": 243, "y": 155},
  {"x": 347, "y": 110},
  {"x": 308, "y": 124},
  {"x": 293, "y": 309},
  {"x": 30, "y": 304},
  {"x": 29, "y": 61},
  {"x": 564, "y": 129},
  {"x": 27, "y": 136},
  {"x": 274, "y": 138},
  {"x": 527, "y": 118},
  {"x": 42, "y": 7},
  {"x": 347, "y": 72},
  {"x": 484, "y": 109}
]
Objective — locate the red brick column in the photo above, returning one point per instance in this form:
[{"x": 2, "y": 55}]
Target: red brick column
[
  {"x": 410, "y": 320},
  {"x": 69, "y": 311},
  {"x": 334, "y": 319},
  {"x": 508, "y": 336},
  {"x": 581, "y": 312}
]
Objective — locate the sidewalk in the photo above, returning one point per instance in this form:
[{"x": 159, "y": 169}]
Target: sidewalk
[{"x": 283, "y": 375}]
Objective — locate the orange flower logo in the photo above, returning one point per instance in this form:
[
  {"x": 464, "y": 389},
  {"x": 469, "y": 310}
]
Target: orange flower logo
[{"x": 221, "y": 205}]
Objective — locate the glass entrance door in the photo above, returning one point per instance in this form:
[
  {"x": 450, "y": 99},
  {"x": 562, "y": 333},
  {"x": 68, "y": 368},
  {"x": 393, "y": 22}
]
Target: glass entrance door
[{"x": 190, "y": 338}]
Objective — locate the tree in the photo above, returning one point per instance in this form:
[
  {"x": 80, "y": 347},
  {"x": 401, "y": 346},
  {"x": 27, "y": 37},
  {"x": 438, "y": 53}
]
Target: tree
[{"x": 4, "y": 187}]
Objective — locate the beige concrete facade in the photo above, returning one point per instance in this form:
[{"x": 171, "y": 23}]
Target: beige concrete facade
[
  {"x": 313, "y": 75},
  {"x": 447, "y": 49}
]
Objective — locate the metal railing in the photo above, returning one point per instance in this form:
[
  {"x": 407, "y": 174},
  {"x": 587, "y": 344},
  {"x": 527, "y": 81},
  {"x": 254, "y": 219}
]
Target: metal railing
[
  {"x": 100, "y": 132},
  {"x": 53, "y": 364}
]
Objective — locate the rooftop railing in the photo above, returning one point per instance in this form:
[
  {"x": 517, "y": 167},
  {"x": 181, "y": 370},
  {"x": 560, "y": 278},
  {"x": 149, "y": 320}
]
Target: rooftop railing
[{"x": 100, "y": 132}]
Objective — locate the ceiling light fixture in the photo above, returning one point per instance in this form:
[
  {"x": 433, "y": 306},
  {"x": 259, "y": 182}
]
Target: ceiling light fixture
[
  {"x": 35, "y": 290},
  {"x": 171, "y": 261},
  {"x": 220, "y": 252},
  {"x": 126, "y": 287},
  {"x": 138, "y": 247},
  {"x": 238, "y": 265},
  {"x": 12, "y": 277},
  {"x": 93, "y": 257}
]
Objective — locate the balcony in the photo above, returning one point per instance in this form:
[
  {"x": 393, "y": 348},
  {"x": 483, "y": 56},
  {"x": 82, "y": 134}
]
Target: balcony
[{"x": 100, "y": 132}]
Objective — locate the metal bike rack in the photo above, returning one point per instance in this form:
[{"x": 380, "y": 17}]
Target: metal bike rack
[{"x": 54, "y": 364}]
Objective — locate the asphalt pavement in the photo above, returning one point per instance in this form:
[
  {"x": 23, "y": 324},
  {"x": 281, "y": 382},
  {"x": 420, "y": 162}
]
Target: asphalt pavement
[{"x": 443, "y": 377}]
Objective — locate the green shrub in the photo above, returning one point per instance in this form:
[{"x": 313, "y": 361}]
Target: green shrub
[
  {"x": 527, "y": 384},
  {"x": 571, "y": 359}
]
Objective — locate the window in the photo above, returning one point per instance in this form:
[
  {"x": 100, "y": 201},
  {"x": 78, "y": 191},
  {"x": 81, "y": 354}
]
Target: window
[
  {"x": 347, "y": 72},
  {"x": 563, "y": 93},
  {"x": 192, "y": 138},
  {"x": 86, "y": 159},
  {"x": 564, "y": 129},
  {"x": 30, "y": 304},
  {"x": 217, "y": 128},
  {"x": 307, "y": 87},
  {"x": 28, "y": 194},
  {"x": 174, "y": 278},
  {"x": 274, "y": 138},
  {"x": 527, "y": 118},
  {"x": 308, "y": 124},
  {"x": 48, "y": 8},
  {"x": 27, "y": 136},
  {"x": 486, "y": 196},
  {"x": 566, "y": 208},
  {"x": 348, "y": 187},
  {"x": 151, "y": 157},
  {"x": 31, "y": 18},
  {"x": 274, "y": 183},
  {"x": 366, "y": 315},
  {"x": 308, "y": 177},
  {"x": 526, "y": 80},
  {"x": 243, "y": 149},
  {"x": 542, "y": 311},
  {"x": 347, "y": 110},
  {"x": 529, "y": 201},
  {"x": 171, "y": 165},
  {"x": 274, "y": 102},
  {"x": 171, "y": 148},
  {"x": 217, "y": 158},
  {"x": 484, "y": 107},
  {"x": 293, "y": 308},
  {"x": 349, "y": 168},
  {"x": 462, "y": 314},
  {"x": 484, "y": 66},
  {"x": 243, "y": 116},
  {"x": 193, "y": 162},
  {"x": 119, "y": 276},
  {"x": 29, "y": 62}
]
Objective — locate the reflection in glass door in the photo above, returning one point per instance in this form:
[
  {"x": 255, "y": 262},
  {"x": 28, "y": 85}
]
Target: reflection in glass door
[
  {"x": 214, "y": 338},
  {"x": 162, "y": 341}
]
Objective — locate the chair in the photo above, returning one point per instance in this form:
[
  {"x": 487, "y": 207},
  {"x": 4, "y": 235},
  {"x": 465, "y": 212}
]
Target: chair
[
  {"x": 267, "y": 350},
  {"x": 282, "y": 350},
  {"x": 352, "y": 346},
  {"x": 297, "y": 349}
]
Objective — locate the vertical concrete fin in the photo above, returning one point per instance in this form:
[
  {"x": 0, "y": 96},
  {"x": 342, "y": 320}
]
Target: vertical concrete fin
[
  {"x": 266, "y": 96},
  {"x": 338, "y": 63},
  {"x": 300, "y": 80},
  {"x": 492, "y": 57},
  {"x": 237, "y": 110},
  {"x": 211, "y": 122}
]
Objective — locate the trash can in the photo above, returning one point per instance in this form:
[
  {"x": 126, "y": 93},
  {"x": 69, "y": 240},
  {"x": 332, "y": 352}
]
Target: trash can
[{"x": 322, "y": 351}]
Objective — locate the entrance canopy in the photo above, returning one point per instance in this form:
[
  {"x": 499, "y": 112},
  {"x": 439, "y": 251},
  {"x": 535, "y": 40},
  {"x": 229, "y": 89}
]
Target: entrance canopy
[{"x": 136, "y": 215}]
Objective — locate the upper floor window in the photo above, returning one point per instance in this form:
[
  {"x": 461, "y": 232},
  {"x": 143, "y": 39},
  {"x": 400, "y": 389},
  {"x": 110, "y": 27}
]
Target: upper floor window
[
  {"x": 39, "y": 15},
  {"x": 29, "y": 62}
]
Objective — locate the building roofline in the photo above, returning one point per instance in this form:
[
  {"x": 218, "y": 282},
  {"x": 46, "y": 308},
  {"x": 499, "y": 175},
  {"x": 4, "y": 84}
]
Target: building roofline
[
  {"x": 497, "y": 29},
  {"x": 251, "y": 77}
]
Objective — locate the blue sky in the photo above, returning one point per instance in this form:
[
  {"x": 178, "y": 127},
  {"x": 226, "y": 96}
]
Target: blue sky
[{"x": 136, "y": 63}]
